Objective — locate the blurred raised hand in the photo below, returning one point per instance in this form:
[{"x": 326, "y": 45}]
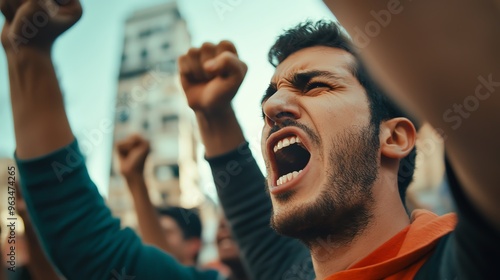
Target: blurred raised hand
[
  {"x": 211, "y": 76},
  {"x": 37, "y": 23},
  {"x": 132, "y": 154}
]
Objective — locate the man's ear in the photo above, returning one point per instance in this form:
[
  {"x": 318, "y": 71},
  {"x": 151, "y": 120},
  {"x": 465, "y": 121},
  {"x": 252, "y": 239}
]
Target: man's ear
[{"x": 397, "y": 137}]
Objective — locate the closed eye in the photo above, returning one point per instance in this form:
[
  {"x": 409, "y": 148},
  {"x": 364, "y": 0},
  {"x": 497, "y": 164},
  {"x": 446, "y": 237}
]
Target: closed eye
[{"x": 315, "y": 85}]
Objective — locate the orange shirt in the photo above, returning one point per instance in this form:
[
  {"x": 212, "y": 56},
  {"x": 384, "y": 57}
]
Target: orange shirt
[{"x": 402, "y": 256}]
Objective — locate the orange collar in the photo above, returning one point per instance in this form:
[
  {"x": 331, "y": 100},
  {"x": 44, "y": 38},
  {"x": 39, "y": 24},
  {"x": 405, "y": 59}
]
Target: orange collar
[{"x": 402, "y": 256}]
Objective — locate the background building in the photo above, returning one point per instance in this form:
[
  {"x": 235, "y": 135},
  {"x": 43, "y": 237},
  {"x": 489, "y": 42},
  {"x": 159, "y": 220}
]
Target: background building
[{"x": 150, "y": 102}]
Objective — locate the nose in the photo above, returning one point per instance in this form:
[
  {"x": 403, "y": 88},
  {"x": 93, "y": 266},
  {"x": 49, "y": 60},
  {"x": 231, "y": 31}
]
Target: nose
[{"x": 280, "y": 106}]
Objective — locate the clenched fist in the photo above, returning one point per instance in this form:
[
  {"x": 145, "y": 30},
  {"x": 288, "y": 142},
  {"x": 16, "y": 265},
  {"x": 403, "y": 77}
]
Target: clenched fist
[
  {"x": 132, "y": 154},
  {"x": 211, "y": 76},
  {"x": 36, "y": 23}
]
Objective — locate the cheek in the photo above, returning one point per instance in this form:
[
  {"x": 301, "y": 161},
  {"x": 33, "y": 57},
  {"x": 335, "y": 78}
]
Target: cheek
[
  {"x": 340, "y": 115},
  {"x": 263, "y": 139}
]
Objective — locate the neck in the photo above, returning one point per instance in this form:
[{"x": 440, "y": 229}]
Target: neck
[{"x": 388, "y": 218}]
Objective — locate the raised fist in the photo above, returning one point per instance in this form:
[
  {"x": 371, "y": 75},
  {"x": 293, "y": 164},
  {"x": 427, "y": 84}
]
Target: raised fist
[
  {"x": 132, "y": 154},
  {"x": 211, "y": 76},
  {"x": 36, "y": 23}
]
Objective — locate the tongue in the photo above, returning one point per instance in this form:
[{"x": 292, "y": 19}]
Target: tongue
[{"x": 291, "y": 158}]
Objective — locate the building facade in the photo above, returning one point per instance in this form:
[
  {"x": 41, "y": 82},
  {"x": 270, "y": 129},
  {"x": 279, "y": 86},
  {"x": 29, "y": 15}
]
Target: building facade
[{"x": 150, "y": 102}]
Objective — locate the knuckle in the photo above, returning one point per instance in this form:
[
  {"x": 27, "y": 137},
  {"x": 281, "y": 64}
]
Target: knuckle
[
  {"x": 226, "y": 43},
  {"x": 182, "y": 59},
  {"x": 207, "y": 45},
  {"x": 227, "y": 55},
  {"x": 193, "y": 51}
]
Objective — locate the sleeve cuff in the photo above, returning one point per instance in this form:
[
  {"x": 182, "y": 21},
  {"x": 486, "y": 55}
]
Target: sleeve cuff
[
  {"x": 55, "y": 165},
  {"x": 243, "y": 150}
]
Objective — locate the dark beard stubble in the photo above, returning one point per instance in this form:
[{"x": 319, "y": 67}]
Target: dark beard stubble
[{"x": 343, "y": 209}]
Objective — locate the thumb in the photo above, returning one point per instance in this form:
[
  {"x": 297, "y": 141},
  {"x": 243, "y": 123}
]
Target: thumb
[{"x": 225, "y": 64}]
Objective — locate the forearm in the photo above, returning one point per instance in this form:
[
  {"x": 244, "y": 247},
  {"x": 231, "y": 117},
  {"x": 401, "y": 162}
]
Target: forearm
[
  {"x": 39, "y": 266},
  {"x": 220, "y": 133},
  {"x": 147, "y": 216},
  {"x": 37, "y": 104},
  {"x": 77, "y": 230}
]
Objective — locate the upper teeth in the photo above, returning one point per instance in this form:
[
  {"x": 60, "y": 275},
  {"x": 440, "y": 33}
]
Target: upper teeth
[{"x": 286, "y": 142}]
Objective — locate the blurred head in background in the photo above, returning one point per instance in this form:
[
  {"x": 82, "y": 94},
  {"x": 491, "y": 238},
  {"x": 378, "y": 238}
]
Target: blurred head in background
[
  {"x": 182, "y": 229},
  {"x": 229, "y": 252}
]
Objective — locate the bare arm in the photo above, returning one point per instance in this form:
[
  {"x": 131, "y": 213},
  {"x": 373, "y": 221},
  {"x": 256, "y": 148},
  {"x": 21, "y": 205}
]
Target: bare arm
[
  {"x": 211, "y": 76},
  {"x": 37, "y": 103},
  {"x": 441, "y": 60},
  {"x": 147, "y": 216},
  {"x": 132, "y": 154}
]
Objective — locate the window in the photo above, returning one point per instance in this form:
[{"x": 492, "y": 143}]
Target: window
[
  {"x": 145, "y": 33},
  {"x": 168, "y": 118},
  {"x": 168, "y": 66},
  {"x": 123, "y": 116},
  {"x": 144, "y": 54},
  {"x": 166, "y": 172},
  {"x": 175, "y": 170}
]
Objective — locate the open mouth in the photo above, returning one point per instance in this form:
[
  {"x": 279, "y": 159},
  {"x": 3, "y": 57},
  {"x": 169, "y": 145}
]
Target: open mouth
[{"x": 290, "y": 158}]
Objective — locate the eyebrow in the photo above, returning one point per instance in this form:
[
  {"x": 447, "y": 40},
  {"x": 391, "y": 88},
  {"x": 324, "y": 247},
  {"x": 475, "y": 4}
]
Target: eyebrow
[{"x": 300, "y": 81}]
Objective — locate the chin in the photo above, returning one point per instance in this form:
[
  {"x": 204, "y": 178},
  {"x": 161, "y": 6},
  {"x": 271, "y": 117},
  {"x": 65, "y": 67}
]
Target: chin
[{"x": 326, "y": 218}]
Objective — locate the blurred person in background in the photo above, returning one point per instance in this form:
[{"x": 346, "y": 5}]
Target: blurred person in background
[
  {"x": 31, "y": 262},
  {"x": 230, "y": 262},
  {"x": 229, "y": 252},
  {"x": 175, "y": 230},
  {"x": 182, "y": 229}
]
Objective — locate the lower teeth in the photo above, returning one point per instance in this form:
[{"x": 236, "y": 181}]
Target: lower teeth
[{"x": 287, "y": 178}]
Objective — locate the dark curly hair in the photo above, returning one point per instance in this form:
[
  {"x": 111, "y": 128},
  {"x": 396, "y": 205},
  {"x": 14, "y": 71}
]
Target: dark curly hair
[
  {"x": 330, "y": 34},
  {"x": 187, "y": 220}
]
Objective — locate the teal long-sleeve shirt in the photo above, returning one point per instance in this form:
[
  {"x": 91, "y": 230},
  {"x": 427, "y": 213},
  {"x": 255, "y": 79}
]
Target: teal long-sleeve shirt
[{"x": 77, "y": 229}]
